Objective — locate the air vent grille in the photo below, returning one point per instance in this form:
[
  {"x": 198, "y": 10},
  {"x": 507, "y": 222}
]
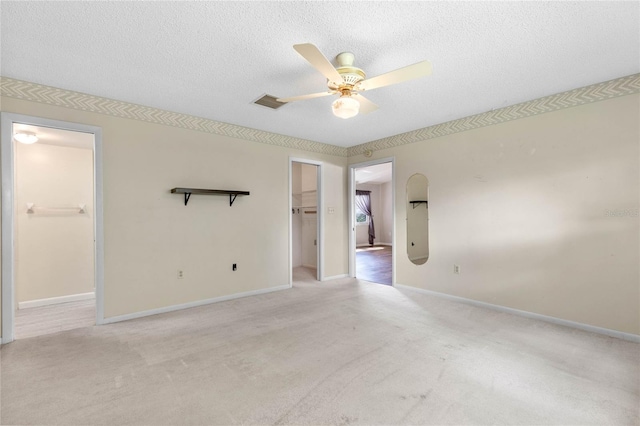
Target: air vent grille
[{"x": 269, "y": 102}]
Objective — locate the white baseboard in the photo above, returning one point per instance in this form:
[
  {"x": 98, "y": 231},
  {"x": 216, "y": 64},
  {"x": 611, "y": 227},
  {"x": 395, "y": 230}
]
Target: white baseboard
[
  {"x": 375, "y": 244},
  {"x": 581, "y": 326},
  {"x": 310, "y": 266},
  {"x": 188, "y": 305},
  {"x": 56, "y": 300},
  {"x": 335, "y": 277}
]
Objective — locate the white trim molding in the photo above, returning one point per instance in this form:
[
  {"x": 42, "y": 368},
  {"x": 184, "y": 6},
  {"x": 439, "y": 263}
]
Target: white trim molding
[
  {"x": 351, "y": 182},
  {"x": 8, "y": 213},
  {"x": 374, "y": 244},
  {"x": 194, "y": 304},
  {"x": 319, "y": 221},
  {"x": 559, "y": 321},
  {"x": 335, "y": 277},
  {"x": 56, "y": 300},
  {"x": 584, "y": 95}
]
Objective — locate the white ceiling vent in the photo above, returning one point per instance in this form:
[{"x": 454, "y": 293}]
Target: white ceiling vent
[{"x": 269, "y": 102}]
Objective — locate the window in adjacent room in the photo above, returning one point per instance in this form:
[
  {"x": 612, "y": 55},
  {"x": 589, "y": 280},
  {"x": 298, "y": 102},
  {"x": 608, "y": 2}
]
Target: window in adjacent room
[{"x": 361, "y": 218}]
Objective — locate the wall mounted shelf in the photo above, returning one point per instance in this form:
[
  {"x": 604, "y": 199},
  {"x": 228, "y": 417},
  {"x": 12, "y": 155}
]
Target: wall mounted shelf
[
  {"x": 418, "y": 202},
  {"x": 188, "y": 191}
]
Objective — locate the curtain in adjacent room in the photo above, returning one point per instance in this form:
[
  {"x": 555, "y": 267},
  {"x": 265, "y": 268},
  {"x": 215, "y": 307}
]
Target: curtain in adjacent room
[{"x": 363, "y": 202}]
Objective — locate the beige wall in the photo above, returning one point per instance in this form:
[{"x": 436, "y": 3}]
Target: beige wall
[
  {"x": 54, "y": 249},
  {"x": 150, "y": 234},
  {"x": 296, "y": 217},
  {"x": 417, "y": 219},
  {"x": 309, "y": 196},
  {"x": 522, "y": 208},
  {"x": 386, "y": 201}
]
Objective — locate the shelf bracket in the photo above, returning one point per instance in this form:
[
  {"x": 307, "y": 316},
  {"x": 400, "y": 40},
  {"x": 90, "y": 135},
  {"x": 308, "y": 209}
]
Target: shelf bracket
[
  {"x": 232, "y": 198},
  {"x": 414, "y": 204},
  {"x": 187, "y": 195}
]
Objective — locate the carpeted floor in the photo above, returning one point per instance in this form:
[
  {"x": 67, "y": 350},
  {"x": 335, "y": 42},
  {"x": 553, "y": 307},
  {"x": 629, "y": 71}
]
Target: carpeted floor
[{"x": 339, "y": 352}]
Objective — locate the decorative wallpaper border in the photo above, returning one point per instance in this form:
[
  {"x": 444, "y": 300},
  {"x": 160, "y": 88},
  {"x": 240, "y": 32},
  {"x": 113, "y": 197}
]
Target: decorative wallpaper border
[
  {"x": 597, "y": 92},
  {"x": 53, "y": 96},
  {"x": 75, "y": 100}
]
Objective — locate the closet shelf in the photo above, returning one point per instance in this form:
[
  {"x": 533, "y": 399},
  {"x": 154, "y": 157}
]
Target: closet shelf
[
  {"x": 188, "y": 191},
  {"x": 297, "y": 208}
]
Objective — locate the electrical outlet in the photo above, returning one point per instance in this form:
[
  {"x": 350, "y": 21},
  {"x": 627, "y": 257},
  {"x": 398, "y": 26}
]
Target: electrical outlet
[
  {"x": 234, "y": 267},
  {"x": 456, "y": 269},
  {"x": 332, "y": 210},
  {"x": 180, "y": 274}
]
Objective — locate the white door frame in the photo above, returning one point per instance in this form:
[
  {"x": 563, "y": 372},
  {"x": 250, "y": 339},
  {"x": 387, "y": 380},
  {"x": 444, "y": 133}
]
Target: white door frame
[
  {"x": 320, "y": 216},
  {"x": 352, "y": 215},
  {"x": 8, "y": 212}
]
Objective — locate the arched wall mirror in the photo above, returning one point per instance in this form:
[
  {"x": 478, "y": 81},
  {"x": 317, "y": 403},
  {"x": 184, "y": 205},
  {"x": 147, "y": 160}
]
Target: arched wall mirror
[{"x": 418, "y": 219}]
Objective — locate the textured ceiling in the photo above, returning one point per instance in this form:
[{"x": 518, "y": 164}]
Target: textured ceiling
[{"x": 213, "y": 59}]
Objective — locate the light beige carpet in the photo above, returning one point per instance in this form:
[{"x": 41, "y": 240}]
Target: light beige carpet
[{"x": 341, "y": 352}]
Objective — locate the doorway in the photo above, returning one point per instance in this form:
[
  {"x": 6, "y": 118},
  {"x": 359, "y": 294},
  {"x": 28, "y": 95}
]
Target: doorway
[
  {"x": 372, "y": 218},
  {"x": 51, "y": 227},
  {"x": 305, "y": 219}
]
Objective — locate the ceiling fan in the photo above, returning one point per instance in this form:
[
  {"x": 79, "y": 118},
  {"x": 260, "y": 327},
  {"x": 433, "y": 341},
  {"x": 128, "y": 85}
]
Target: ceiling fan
[{"x": 348, "y": 81}]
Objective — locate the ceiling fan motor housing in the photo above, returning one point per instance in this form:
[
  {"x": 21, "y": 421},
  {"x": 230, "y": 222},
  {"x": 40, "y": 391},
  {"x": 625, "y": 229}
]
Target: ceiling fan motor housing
[{"x": 351, "y": 75}]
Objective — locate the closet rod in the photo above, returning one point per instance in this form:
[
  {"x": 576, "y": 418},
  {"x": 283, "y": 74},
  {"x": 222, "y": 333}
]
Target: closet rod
[{"x": 32, "y": 209}]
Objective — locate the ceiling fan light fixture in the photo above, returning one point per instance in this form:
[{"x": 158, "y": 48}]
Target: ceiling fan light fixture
[
  {"x": 345, "y": 107},
  {"x": 25, "y": 137},
  {"x": 347, "y": 80}
]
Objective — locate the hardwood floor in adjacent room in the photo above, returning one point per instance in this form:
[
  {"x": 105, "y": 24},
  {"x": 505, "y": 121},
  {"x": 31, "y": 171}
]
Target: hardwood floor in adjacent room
[{"x": 374, "y": 264}]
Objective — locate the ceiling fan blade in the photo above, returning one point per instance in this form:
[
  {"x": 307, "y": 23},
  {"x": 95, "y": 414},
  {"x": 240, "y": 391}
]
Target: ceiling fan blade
[
  {"x": 366, "y": 106},
  {"x": 311, "y": 53},
  {"x": 410, "y": 72},
  {"x": 303, "y": 97}
]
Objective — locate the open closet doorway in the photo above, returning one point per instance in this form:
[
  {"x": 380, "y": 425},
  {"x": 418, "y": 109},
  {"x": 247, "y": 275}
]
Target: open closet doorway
[
  {"x": 372, "y": 218},
  {"x": 305, "y": 220},
  {"x": 49, "y": 228}
]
